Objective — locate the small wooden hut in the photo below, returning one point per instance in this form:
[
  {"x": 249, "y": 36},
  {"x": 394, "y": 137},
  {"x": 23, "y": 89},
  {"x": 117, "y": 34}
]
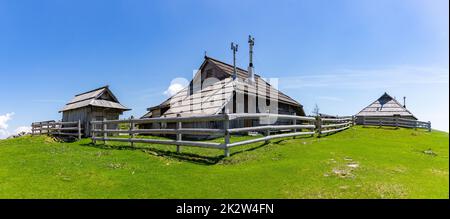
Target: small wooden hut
[
  {"x": 385, "y": 106},
  {"x": 96, "y": 105}
]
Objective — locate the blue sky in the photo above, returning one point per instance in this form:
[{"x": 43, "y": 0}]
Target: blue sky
[{"x": 341, "y": 55}]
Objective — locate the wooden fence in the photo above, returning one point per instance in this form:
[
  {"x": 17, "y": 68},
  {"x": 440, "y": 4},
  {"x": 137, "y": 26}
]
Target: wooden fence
[
  {"x": 394, "y": 122},
  {"x": 57, "y": 128},
  {"x": 292, "y": 125},
  {"x": 333, "y": 125},
  {"x": 300, "y": 125}
]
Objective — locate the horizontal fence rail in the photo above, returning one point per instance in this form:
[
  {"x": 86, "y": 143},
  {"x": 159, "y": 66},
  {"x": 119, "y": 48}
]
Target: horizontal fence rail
[
  {"x": 270, "y": 126},
  {"x": 57, "y": 128},
  {"x": 333, "y": 125},
  {"x": 298, "y": 126},
  {"x": 395, "y": 122}
]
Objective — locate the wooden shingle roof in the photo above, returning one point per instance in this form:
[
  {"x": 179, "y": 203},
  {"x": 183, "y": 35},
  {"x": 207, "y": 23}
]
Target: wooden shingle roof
[
  {"x": 385, "y": 106},
  {"x": 208, "y": 101},
  {"x": 242, "y": 74},
  {"x": 211, "y": 99},
  {"x": 92, "y": 98}
]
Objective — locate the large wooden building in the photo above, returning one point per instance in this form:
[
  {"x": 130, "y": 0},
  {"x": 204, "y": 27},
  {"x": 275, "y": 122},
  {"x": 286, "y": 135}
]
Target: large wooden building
[
  {"x": 385, "y": 106},
  {"x": 215, "y": 90},
  {"x": 96, "y": 105}
]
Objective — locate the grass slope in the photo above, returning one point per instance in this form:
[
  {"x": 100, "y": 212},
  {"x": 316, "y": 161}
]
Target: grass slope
[{"x": 356, "y": 163}]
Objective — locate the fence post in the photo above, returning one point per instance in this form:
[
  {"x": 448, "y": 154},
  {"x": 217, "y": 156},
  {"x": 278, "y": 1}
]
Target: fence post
[
  {"x": 104, "y": 127},
  {"x": 379, "y": 123},
  {"x": 319, "y": 125},
  {"x": 363, "y": 118},
  {"x": 415, "y": 125},
  {"x": 40, "y": 128},
  {"x": 429, "y": 126},
  {"x": 226, "y": 126},
  {"x": 294, "y": 123},
  {"x": 353, "y": 120},
  {"x": 131, "y": 133},
  {"x": 179, "y": 135},
  {"x": 267, "y": 132},
  {"x": 59, "y": 130},
  {"x": 79, "y": 129},
  {"x": 93, "y": 133},
  {"x": 396, "y": 122},
  {"x": 86, "y": 128}
]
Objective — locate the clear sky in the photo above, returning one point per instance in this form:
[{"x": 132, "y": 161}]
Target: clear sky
[{"x": 341, "y": 55}]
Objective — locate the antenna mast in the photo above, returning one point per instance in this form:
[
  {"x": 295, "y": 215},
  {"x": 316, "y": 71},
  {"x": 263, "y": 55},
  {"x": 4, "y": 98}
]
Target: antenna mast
[
  {"x": 251, "y": 43},
  {"x": 235, "y": 49},
  {"x": 250, "y": 76}
]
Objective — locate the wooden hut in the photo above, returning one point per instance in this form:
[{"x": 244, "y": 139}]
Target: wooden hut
[
  {"x": 214, "y": 90},
  {"x": 385, "y": 106},
  {"x": 96, "y": 105}
]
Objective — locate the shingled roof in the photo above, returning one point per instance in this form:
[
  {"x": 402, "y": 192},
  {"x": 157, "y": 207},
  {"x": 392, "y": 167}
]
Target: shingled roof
[
  {"x": 385, "y": 106},
  {"x": 92, "y": 98},
  {"x": 212, "y": 98},
  {"x": 242, "y": 74}
]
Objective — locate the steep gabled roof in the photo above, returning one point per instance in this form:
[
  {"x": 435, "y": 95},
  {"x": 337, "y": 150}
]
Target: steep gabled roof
[
  {"x": 242, "y": 74},
  {"x": 385, "y": 106},
  {"x": 91, "y": 98},
  {"x": 212, "y": 98},
  {"x": 208, "y": 101}
]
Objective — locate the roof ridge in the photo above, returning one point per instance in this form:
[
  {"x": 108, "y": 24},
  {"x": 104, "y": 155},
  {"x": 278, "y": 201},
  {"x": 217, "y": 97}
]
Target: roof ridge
[
  {"x": 256, "y": 76},
  {"x": 91, "y": 98},
  {"x": 402, "y": 106},
  {"x": 399, "y": 105},
  {"x": 106, "y": 86},
  {"x": 207, "y": 57}
]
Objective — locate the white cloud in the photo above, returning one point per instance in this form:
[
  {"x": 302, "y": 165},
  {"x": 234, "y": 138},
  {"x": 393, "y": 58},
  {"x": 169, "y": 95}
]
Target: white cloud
[
  {"x": 26, "y": 129},
  {"x": 4, "y": 124},
  {"x": 4, "y": 120},
  {"x": 173, "y": 89},
  {"x": 176, "y": 85},
  {"x": 4, "y": 134}
]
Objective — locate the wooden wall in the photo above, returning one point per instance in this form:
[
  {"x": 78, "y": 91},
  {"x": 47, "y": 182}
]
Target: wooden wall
[
  {"x": 360, "y": 119},
  {"x": 89, "y": 113}
]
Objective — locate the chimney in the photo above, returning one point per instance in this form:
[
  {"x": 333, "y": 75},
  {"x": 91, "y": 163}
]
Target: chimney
[
  {"x": 251, "y": 71},
  {"x": 404, "y": 102}
]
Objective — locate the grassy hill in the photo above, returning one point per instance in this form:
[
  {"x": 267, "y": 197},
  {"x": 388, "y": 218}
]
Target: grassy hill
[{"x": 356, "y": 163}]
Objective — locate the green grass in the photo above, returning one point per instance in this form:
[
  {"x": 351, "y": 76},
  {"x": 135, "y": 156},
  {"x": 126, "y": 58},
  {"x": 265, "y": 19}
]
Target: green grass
[{"x": 390, "y": 163}]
